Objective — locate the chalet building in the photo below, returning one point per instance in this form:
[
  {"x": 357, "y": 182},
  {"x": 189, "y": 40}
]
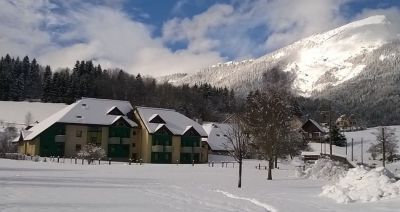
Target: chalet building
[
  {"x": 313, "y": 131},
  {"x": 106, "y": 123},
  {"x": 170, "y": 137},
  {"x": 154, "y": 135},
  {"x": 346, "y": 123},
  {"x": 217, "y": 138}
]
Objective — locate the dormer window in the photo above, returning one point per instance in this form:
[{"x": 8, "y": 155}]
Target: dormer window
[
  {"x": 115, "y": 111},
  {"x": 78, "y": 117},
  {"x": 156, "y": 119}
]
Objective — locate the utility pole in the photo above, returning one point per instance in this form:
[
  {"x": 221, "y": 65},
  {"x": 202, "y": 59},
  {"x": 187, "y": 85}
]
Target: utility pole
[
  {"x": 330, "y": 127},
  {"x": 383, "y": 146},
  {"x": 352, "y": 145},
  {"x": 362, "y": 151},
  {"x": 330, "y": 134}
]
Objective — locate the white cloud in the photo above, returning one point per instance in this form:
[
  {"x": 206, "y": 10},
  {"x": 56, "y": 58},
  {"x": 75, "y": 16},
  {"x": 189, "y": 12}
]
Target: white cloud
[
  {"x": 100, "y": 33},
  {"x": 60, "y": 33}
]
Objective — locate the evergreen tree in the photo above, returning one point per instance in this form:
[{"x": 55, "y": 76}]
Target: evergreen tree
[{"x": 47, "y": 85}]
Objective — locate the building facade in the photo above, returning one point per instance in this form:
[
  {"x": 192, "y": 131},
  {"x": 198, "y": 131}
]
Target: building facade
[{"x": 153, "y": 135}]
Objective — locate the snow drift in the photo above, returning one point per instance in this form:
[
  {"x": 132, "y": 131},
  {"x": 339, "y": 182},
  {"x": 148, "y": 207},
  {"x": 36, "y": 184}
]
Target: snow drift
[
  {"x": 324, "y": 169},
  {"x": 361, "y": 184}
]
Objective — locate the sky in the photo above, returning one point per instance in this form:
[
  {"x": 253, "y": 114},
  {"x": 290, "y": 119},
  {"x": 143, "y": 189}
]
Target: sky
[{"x": 160, "y": 37}]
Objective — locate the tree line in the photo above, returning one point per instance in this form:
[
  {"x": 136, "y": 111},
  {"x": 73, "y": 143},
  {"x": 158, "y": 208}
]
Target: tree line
[{"x": 27, "y": 80}]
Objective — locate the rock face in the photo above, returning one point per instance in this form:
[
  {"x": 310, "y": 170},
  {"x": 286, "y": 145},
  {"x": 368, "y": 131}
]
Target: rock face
[{"x": 321, "y": 61}]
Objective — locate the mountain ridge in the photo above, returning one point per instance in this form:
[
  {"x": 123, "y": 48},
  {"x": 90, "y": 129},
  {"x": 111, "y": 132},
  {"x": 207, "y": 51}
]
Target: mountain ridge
[{"x": 320, "y": 61}]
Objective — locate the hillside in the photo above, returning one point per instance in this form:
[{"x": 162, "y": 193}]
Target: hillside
[
  {"x": 319, "y": 61},
  {"x": 14, "y": 112}
]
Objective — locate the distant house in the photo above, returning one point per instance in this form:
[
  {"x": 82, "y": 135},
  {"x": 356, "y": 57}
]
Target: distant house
[
  {"x": 346, "y": 123},
  {"x": 313, "y": 131},
  {"x": 217, "y": 139},
  {"x": 154, "y": 135}
]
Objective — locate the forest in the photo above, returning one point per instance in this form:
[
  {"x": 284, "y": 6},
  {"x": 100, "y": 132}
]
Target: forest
[{"x": 27, "y": 80}]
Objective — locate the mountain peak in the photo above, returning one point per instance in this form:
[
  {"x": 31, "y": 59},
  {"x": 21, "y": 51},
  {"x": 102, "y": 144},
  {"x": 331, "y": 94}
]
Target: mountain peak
[{"x": 319, "y": 61}]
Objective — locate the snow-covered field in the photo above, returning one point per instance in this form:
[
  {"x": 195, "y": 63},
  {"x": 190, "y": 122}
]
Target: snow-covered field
[
  {"x": 39, "y": 186},
  {"x": 368, "y": 137},
  {"x": 14, "y": 112}
]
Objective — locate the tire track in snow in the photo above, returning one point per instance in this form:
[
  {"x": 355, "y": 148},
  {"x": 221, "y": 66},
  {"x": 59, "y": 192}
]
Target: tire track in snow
[{"x": 254, "y": 201}]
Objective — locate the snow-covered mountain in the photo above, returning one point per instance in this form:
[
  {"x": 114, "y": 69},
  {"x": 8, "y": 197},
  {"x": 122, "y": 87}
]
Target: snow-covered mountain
[{"x": 318, "y": 61}]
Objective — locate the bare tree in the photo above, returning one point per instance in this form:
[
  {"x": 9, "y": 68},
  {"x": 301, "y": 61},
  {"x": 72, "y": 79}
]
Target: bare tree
[
  {"x": 238, "y": 142},
  {"x": 269, "y": 113},
  {"x": 6, "y": 138},
  {"x": 91, "y": 151},
  {"x": 28, "y": 119},
  {"x": 385, "y": 137}
]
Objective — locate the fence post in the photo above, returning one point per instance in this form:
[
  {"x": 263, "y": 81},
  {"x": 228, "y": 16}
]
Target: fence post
[
  {"x": 99, "y": 160},
  {"x": 140, "y": 161},
  {"x": 192, "y": 162},
  {"x": 130, "y": 161},
  {"x": 212, "y": 163},
  {"x": 83, "y": 160},
  {"x": 58, "y": 159},
  {"x": 76, "y": 160},
  {"x": 109, "y": 161}
]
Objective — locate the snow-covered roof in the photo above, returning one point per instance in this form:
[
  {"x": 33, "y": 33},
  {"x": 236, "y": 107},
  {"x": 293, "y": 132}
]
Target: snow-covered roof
[
  {"x": 217, "y": 137},
  {"x": 176, "y": 122},
  {"x": 85, "y": 111},
  {"x": 320, "y": 128}
]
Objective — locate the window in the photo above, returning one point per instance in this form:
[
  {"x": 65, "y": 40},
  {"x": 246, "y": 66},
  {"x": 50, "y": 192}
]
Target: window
[
  {"x": 78, "y": 147},
  {"x": 133, "y": 144},
  {"x": 78, "y": 133},
  {"x": 133, "y": 132}
]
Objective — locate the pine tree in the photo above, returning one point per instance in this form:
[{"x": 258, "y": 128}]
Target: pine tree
[{"x": 46, "y": 86}]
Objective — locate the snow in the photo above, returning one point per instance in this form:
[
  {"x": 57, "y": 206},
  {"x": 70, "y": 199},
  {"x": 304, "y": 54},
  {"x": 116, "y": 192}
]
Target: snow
[
  {"x": 176, "y": 122},
  {"x": 14, "y": 112},
  {"x": 367, "y": 136},
  {"x": 325, "y": 169},
  {"x": 216, "y": 132},
  {"x": 324, "y": 59},
  {"x": 363, "y": 185},
  {"x": 50, "y": 186},
  {"x": 85, "y": 111}
]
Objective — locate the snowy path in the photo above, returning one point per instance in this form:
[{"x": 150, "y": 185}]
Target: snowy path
[
  {"x": 254, "y": 201},
  {"x": 30, "y": 186}
]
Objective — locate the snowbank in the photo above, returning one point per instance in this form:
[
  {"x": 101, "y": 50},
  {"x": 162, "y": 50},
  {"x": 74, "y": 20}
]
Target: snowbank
[
  {"x": 324, "y": 169},
  {"x": 361, "y": 184}
]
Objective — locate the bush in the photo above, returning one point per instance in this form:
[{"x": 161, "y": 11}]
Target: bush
[{"x": 90, "y": 151}]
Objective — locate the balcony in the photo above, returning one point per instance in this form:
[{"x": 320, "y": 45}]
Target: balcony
[
  {"x": 126, "y": 140},
  {"x": 190, "y": 149},
  {"x": 113, "y": 140},
  {"x": 59, "y": 138},
  {"x": 167, "y": 148},
  {"x": 157, "y": 148}
]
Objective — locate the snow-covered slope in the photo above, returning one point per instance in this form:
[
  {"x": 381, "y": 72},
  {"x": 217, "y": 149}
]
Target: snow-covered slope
[
  {"x": 317, "y": 61},
  {"x": 14, "y": 112}
]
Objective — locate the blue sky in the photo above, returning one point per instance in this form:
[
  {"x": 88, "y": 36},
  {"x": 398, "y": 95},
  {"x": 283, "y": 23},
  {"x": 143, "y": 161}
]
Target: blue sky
[{"x": 169, "y": 36}]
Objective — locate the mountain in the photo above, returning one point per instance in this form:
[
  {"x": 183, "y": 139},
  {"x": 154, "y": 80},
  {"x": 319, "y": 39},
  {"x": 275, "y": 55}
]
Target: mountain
[{"x": 320, "y": 61}]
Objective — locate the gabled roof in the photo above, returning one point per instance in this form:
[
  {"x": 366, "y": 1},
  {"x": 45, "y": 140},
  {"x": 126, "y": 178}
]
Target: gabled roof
[
  {"x": 155, "y": 118},
  {"x": 217, "y": 135},
  {"x": 318, "y": 126},
  {"x": 88, "y": 111},
  {"x": 115, "y": 111},
  {"x": 176, "y": 122}
]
